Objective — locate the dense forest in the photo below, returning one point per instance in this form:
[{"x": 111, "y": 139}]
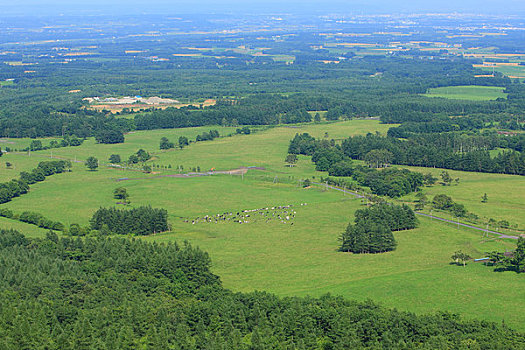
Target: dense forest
[
  {"x": 117, "y": 293},
  {"x": 449, "y": 151},
  {"x": 271, "y": 93}
]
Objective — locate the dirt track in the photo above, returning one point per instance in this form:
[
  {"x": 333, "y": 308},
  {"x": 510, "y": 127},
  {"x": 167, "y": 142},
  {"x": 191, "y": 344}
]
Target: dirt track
[{"x": 239, "y": 171}]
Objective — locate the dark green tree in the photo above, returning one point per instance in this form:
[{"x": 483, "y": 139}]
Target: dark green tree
[
  {"x": 92, "y": 163},
  {"x": 429, "y": 179},
  {"x": 183, "y": 141},
  {"x": 143, "y": 155},
  {"x": 445, "y": 178},
  {"x": 291, "y": 159},
  {"x": 460, "y": 257},
  {"x": 166, "y": 144},
  {"x": 378, "y": 158},
  {"x": 121, "y": 193},
  {"x": 114, "y": 159}
]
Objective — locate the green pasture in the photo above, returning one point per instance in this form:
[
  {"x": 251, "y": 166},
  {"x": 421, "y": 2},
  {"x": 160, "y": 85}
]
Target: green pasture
[
  {"x": 472, "y": 92},
  {"x": 19, "y": 162},
  {"x": 6, "y": 83},
  {"x": 505, "y": 194},
  {"x": 299, "y": 259},
  {"x": 516, "y": 71},
  {"x": 302, "y": 260},
  {"x": 27, "y": 229},
  {"x": 265, "y": 148}
]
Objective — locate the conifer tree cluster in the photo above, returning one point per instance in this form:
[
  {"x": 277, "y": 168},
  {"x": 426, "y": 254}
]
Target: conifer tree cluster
[
  {"x": 138, "y": 221},
  {"x": 372, "y": 229}
]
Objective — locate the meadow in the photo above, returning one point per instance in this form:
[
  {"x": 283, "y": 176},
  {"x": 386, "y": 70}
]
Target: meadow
[
  {"x": 298, "y": 259},
  {"x": 472, "y": 92},
  {"x": 511, "y": 71},
  {"x": 505, "y": 194}
]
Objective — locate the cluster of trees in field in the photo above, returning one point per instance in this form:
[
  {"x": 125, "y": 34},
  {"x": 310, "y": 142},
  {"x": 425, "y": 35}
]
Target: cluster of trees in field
[
  {"x": 166, "y": 144},
  {"x": 444, "y": 202},
  {"x": 330, "y": 157},
  {"x": 109, "y": 136},
  {"x": 389, "y": 182},
  {"x": 207, "y": 136},
  {"x": 244, "y": 130},
  {"x": 17, "y": 187},
  {"x": 138, "y": 221},
  {"x": 40, "y": 221},
  {"x": 515, "y": 261},
  {"x": 140, "y": 156},
  {"x": 449, "y": 151},
  {"x": 66, "y": 141},
  {"x": 122, "y": 293},
  {"x": 372, "y": 229}
]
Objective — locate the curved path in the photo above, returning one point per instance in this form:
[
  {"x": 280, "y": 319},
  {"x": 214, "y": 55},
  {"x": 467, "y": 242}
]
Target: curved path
[{"x": 357, "y": 195}]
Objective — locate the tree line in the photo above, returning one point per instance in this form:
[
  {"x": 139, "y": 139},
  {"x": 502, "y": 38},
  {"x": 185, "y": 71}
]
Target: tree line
[
  {"x": 449, "y": 151},
  {"x": 330, "y": 157},
  {"x": 20, "y": 186},
  {"x": 71, "y": 293}
]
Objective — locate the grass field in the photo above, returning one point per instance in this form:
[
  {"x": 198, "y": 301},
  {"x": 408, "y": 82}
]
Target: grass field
[
  {"x": 511, "y": 71},
  {"x": 505, "y": 193},
  {"x": 472, "y": 92},
  {"x": 27, "y": 229},
  {"x": 281, "y": 258}
]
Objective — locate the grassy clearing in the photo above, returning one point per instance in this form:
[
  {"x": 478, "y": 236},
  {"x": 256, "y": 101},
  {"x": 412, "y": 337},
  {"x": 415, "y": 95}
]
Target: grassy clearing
[
  {"x": 472, "y": 92},
  {"x": 281, "y": 258},
  {"x": 505, "y": 193},
  {"x": 511, "y": 71},
  {"x": 27, "y": 229},
  {"x": 19, "y": 162}
]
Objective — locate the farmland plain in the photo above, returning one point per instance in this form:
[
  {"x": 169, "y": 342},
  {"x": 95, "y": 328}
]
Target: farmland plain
[{"x": 298, "y": 259}]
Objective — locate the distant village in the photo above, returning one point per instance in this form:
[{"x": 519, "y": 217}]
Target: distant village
[{"x": 155, "y": 100}]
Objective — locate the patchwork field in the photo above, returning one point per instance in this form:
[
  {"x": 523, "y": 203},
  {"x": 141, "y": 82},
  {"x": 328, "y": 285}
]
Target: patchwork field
[
  {"x": 474, "y": 93},
  {"x": 298, "y": 259}
]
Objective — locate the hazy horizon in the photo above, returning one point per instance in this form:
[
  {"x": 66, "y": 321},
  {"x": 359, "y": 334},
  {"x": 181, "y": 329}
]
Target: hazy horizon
[{"x": 57, "y": 7}]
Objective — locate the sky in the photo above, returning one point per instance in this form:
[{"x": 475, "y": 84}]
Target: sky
[{"x": 38, "y": 7}]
